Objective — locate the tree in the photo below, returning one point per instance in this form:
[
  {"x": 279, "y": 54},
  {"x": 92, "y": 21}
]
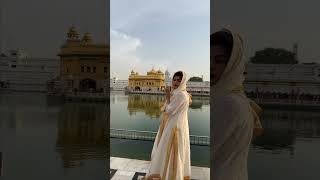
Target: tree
[
  {"x": 274, "y": 56},
  {"x": 196, "y": 79}
]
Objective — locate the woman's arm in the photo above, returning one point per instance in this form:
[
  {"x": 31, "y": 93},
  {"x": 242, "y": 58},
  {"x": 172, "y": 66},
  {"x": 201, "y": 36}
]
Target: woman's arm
[{"x": 176, "y": 103}]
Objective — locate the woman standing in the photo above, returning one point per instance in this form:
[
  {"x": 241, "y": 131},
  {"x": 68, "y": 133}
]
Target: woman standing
[
  {"x": 234, "y": 116},
  {"x": 170, "y": 157}
]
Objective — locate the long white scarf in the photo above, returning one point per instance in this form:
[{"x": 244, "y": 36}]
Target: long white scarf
[{"x": 232, "y": 80}]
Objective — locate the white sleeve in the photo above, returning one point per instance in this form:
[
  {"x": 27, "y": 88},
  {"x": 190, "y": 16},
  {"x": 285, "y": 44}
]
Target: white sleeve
[{"x": 176, "y": 103}]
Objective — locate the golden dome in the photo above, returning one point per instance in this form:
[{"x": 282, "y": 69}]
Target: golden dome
[
  {"x": 72, "y": 29},
  {"x": 160, "y": 72},
  {"x": 87, "y": 38},
  {"x": 152, "y": 71},
  {"x": 73, "y": 34}
]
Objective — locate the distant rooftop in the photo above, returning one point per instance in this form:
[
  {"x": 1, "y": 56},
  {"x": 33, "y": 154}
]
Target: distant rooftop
[{"x": 16, "y": 53}]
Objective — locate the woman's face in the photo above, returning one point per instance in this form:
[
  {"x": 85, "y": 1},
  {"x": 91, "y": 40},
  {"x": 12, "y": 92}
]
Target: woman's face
[
  {"x": 219, "y": 59},
  {"x": 176, "y": 82}
]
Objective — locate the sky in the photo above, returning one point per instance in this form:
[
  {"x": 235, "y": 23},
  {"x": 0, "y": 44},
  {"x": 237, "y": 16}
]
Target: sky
[
  {"x": 167, "y": 35},
  {"x": 40, "y": 26},
  {"x": 272, "y": 23}
]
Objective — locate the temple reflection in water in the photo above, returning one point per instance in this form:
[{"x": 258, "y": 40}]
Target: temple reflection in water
[
  {"x": 283, "y": 128},
  {"x": 151, "y": 104},
  {"x": 81, "y": 133}
]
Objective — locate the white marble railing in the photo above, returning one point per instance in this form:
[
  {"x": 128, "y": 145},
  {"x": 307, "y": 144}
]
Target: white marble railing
[
  {"x": 150, "y": 136},
  {"x": 86, "y": 94},
  {"x": 287, "y": 101},
  {"x": 203, "y": 93}
]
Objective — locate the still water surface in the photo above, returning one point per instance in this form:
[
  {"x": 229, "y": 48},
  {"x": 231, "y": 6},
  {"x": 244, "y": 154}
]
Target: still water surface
[
  {"x": 46, "y": 138},
  {"x": 142, "y": 112},
  {"x": 289, "y": 149}
]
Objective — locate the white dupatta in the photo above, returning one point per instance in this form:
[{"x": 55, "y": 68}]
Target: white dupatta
[
  {"x": 235, "y": 119},
  {"x": 170, "y": 157},
  {"x": 232, "y": 81}
]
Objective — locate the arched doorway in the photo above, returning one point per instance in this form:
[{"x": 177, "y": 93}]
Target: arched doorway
[
  {"x": 137, "y": 88},
  {"x": 87, "y": 84}
]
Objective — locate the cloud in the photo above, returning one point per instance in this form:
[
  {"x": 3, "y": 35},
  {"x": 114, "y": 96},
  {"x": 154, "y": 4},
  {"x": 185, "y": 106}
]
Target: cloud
[
  {"x": 146, "y": 34},
  {"x": 154, "y": 10},
  {"x": 123, "y": 44},
  {"x": 124, "y": 56}
]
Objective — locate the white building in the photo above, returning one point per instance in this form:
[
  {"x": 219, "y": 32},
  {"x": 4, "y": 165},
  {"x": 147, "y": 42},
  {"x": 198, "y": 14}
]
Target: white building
[
  {"x": 118, "y": 85},
  {"x": 167, "y": 78},
  {"x": 283, "y": 78},
  {"x": 202, "y": 88},
  {"x": 19, "y": 72}
]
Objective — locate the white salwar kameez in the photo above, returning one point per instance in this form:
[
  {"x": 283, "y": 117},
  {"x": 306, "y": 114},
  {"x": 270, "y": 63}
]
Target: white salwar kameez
[
  {"x": 235, "y": 120},
  {"x": 232, "y": 137},
  {"x": 170, "y": 157}
]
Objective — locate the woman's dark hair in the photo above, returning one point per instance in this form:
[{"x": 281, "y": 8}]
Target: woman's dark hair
[
  {"x": 179, "y": 73},
  {"x": 222, "y": 38}
]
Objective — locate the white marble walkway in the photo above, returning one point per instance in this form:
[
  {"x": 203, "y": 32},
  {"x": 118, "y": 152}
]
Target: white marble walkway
[{"x": 130, "y": 169}]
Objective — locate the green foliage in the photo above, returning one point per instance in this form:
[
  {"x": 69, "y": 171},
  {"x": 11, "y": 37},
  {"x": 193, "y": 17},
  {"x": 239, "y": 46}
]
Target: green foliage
[
  {"x": 274, "y": 56},
  {"x": 196, "y": 79}
]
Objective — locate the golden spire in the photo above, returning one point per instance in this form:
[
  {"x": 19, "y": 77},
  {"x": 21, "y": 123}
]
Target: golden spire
[
  {"x": 152, "y": 70},
  {"x": 73, "y": 34}
]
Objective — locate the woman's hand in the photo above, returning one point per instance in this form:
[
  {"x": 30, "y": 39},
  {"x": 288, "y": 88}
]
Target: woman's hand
[{"x": 168, "y": 91}]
